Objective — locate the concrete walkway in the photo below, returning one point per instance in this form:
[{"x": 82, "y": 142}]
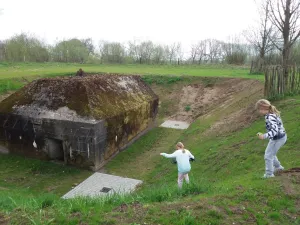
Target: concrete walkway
[{"x": 100, "y": 184}]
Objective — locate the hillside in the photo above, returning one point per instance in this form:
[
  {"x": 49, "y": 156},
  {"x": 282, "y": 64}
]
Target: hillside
[{"x": 226, "y": 179}]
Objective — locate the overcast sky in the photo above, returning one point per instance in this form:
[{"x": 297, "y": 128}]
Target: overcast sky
[{"x": 162, "y": 21}]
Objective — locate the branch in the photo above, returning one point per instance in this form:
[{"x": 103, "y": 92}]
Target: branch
[
  {"x": 275, "y": 44},
  {"x": 274, "y": 19},
  {"x": 279, "y": 27},
  {"x": 282, "y": 5},
  {"x": 294, "y": 39},
  {"x": 294, "y": 19},
  {"x": 280, "y": 16},
  {"x": 295, "y": 8}
]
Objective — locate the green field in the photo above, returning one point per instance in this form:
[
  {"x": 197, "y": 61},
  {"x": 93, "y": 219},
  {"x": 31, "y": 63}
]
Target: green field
[
  {"x": 226, "y": 185},
  {"x": 38, "y": 69},
  {"x": 14, "y": 76}
]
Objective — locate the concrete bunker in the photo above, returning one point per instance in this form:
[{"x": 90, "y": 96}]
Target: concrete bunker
[{"x": 83, "y": 121}]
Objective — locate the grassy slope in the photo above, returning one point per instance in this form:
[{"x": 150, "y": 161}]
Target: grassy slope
[{"x": 226, "y": 180}]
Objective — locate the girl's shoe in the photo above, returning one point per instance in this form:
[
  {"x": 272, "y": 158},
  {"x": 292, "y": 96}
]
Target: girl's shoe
[
  {"x": 279, "y": 169},
  {"x": 268, "y": 176}
]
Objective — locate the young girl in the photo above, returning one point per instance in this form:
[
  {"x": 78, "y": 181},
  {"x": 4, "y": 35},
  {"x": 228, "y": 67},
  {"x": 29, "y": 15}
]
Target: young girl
[
  {"x": 183, "y": 162},
  {"x": 275, "y": 133}
]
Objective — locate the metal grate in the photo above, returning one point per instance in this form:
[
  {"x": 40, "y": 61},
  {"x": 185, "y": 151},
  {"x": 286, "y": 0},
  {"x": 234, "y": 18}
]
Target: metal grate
[{"x": 105, "y": 189}]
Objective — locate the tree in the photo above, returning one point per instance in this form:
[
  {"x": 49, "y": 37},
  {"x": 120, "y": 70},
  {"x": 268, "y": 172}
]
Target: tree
[
  {"x": 180, "y": 54},
  {"x": 133, "y": 49},
  {"x": 234, "y": 51},
  {"x": 198, "y": 51},
  {"x": 2, "y": 51},
  {"x": 25, "y": 48},
  {"x": 263, "y": 36},
  {"x": 284, "y": 15},
  {"x": 201, "y": 51},
  {"x": 194, "y": 53},
  {"x": 72, "y": 50},
  {"x": 295, "y": 53},
  {"x": 159, "y": 55},
  {"x": 145, "y": 51},
  {"x": 214, "y": 50},
  {"x": 172, "y": 51},
  {"x": 112, "y": 52},
  {"x": 88, "y": 43}
]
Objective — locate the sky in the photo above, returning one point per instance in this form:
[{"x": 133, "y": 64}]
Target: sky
[{"x": 162, "y": 21}]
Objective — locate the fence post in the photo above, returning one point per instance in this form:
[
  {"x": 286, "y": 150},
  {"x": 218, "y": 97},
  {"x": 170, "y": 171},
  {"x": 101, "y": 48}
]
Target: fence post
[{"x": 266, "y": 82}]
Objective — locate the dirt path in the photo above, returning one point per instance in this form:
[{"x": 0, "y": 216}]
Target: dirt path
[{"x": 290, "y": 181}]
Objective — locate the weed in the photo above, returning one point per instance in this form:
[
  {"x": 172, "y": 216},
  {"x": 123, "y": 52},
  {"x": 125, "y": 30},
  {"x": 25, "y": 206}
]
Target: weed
[
  {"x": 187, "y": 108},
  {"x": 274, "y": 215}
]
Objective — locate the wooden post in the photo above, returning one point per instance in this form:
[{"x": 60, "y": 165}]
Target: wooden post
[
  {"x": 278, "y": 83},
  {"x": 266, "y": 91}
]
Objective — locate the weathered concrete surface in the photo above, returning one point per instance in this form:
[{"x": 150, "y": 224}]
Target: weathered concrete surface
[
  {"x": 91, "y": 117},
  {"x": 92, "y": 186}
]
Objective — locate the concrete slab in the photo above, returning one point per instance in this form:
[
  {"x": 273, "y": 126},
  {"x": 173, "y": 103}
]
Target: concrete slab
[
  {"x": 175, "y": 124},
  {"x": 100, "y": 184},
  {"x": 3, "y": 150}
]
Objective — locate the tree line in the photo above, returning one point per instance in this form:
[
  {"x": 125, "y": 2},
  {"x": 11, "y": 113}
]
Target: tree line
[
  {"x": 27, "y": 48},
  {"x": 274, "y": 40}
]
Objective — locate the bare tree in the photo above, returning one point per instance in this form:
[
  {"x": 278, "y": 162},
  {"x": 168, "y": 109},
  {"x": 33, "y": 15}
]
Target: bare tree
[
  {"x": 234, "y": 51},
  {"x": 88, "y": 43},
  {"x": 158, "y": 55},
  {"x": 262, "y": 37},
  {"x": 284, "y": 15},
  {"x": 193, "y": 53},
  {"x": 214, "y": 50},
  {"x": 172, "y": 51},
  {"x": 180, "y": 54},
  {"x": 201, "y": 51},
  {"x": 142, "y": 52},
  {"x": 133, "y": 50}
]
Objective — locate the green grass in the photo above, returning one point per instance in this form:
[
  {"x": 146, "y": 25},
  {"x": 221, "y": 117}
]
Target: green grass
[
  {"x": 9, "y": 85},
  {"x": 15, "y": 75},
  {"x": 226, "y": 185},
  {"x": 45, "y": 69},
  {"x": 226, "y": 182}
]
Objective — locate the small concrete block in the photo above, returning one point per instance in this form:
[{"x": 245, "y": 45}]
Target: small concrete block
[
  {"x": 175, "y": 124},
  {"x": 100, "y": 184}
]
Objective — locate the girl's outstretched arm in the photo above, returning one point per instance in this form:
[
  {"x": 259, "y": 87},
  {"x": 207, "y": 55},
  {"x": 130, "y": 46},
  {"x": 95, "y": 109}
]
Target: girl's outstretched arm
[{"x": 173, "y": 155}]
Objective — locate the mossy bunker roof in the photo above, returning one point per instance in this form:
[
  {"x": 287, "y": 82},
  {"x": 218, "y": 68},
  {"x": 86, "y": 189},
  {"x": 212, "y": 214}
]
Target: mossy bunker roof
[{"x": 96, "y": 97}]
